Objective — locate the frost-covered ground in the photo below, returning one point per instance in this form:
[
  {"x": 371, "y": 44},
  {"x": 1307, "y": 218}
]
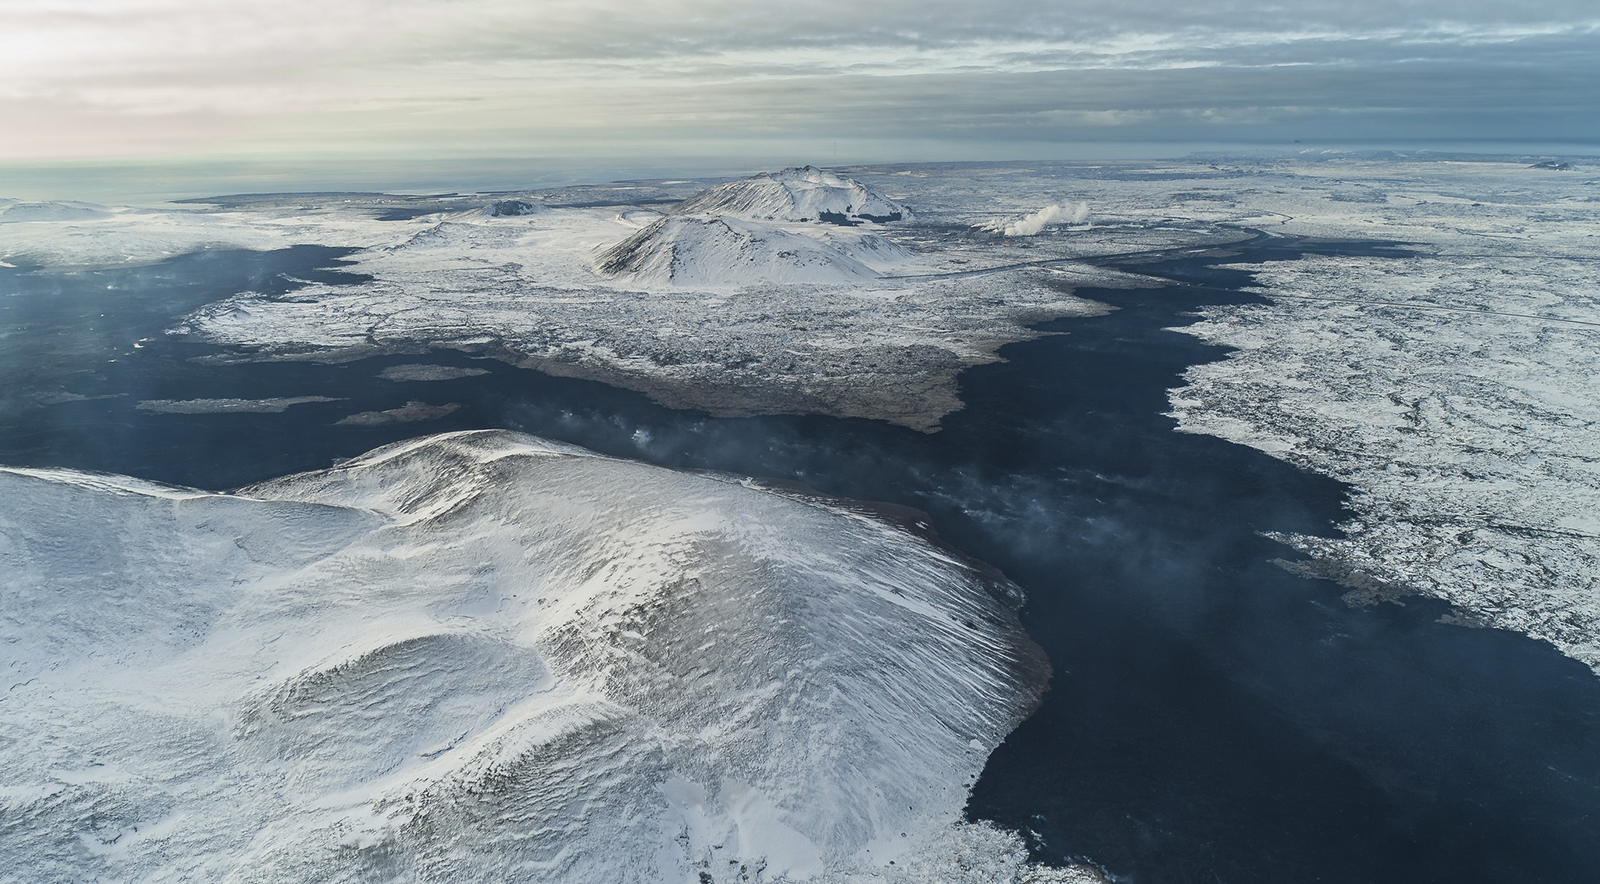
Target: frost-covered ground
[
  {"x": 733, "y": 303},
  {"x": 482, "y": 656},
  {"x": 1455, "y": 390}
]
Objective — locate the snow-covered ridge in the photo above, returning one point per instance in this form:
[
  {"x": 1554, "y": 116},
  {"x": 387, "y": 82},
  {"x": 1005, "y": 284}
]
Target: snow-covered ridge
[
  {"x": 806, "y": 194},
  {"x": 482, "y": 656}
]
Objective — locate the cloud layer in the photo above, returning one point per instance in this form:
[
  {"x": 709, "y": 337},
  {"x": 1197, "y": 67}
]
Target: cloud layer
[{"x": 114, "y": 78}]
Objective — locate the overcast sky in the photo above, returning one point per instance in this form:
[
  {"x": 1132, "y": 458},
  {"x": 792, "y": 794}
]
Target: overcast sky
[{"x": 939, "y": 78}]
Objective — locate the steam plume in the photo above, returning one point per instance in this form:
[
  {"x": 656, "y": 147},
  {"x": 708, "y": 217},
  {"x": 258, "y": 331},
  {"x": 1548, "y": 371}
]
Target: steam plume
[{"x": 1032, "y": 224}]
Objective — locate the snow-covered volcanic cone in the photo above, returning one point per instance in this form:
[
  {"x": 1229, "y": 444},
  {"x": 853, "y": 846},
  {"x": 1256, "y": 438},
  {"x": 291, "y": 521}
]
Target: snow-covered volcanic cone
[
  {"x": 804, "y": 194},
  {"x": 723, "y": 250},
  {"x": 482, "y": 656}
]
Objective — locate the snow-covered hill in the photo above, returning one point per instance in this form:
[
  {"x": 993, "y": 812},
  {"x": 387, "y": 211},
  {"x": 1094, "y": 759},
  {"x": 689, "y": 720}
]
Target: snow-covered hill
[
  {"x": 723, "y": 250},
  {"x": 15, "y": 212},
  {"x": 484, "y": 657},
  {"x": 804, "y": 194},
  {"x": 764, "y": 229}
]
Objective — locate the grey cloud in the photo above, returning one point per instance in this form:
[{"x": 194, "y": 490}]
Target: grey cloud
[
  {"x": 686, "y": 29},
  {"x": 476, "y": 75},
  {"x": 1344, "y": 80}
]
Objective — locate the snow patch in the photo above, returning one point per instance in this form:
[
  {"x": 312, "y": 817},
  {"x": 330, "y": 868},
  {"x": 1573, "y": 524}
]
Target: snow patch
[{"x": 224, "y": 406}]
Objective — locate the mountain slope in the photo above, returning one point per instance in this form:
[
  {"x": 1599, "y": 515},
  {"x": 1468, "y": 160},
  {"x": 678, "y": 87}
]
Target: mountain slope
[{"x": 482, "y": 656}]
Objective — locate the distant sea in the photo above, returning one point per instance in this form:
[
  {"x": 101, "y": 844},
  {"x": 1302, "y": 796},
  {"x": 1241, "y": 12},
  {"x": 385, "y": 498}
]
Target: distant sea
[
  {"x": 1213, "y": 718},
  {"x": 158, "y": 180}
]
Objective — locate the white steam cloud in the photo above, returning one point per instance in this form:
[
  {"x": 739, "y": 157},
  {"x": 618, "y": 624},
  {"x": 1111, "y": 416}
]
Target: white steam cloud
[{"x": 1031, "y": 225}]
